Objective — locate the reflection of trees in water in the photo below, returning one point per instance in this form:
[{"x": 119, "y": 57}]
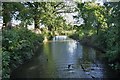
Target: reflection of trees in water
[
  {"x": 50, "y": 65},
  {"x": 88, "y": 57},
  {"x": 92, "y": 55}
]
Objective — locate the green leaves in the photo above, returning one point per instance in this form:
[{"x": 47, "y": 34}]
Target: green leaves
[
  {"x": 105, "y": 19},
  {"x": 18, "y": 47},
  {"x": 5, "y": 64},
  {"x": 94, "y": 16},
  {"x": 9, "y": 11},
  {"x": 111, "y": 36}
]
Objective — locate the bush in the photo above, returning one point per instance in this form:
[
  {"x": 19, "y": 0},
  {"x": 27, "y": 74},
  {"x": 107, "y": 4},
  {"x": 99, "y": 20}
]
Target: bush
[
  {"x": 74, "y": 36},
  {"x": 5, "y": 64},
  {"x": 100, "y": 40},
  {"x": 113, "y": 52},
  {"x": 110, "y": 38},
  {"x": 18, "y": 46}
]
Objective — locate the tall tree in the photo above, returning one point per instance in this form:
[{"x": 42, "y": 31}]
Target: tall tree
[
  {"x": 43, "y": 12},
  {"x": 93, "y": 15},
  {"x": 6, "y": 13},
  {"x": 9, "y": 10}
]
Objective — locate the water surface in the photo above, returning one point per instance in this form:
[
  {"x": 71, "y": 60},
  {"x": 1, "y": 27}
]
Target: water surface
[{"x": 65, "y": 59}]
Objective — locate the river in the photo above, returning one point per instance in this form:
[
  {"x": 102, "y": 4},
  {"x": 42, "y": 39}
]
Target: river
[{"x": 65, "y": 59}]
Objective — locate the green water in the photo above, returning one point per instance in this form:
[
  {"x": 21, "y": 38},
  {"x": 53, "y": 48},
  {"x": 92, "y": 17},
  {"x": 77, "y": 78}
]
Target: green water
[{"x": 52, "y": 60}]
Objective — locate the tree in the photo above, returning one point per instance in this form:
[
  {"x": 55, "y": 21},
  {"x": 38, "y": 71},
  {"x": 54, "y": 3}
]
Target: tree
[
  {"x": 46, "y": 13},
  {"x": 9, "y": 11},
  {"x": 39, "y": 12},
  {"x": 93, "y": 15},
  {"x": 112, "y": 35}
]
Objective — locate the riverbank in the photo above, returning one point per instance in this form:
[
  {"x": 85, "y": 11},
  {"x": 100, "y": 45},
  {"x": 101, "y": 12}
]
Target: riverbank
[
  {"x": 88, "y": 42},
  {"x": 19, "y": 45},
  {"x": 38, "y": 47}
]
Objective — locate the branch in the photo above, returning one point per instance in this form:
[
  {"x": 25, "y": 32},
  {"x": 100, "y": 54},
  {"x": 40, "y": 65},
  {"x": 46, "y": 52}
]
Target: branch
[
  {"x": 65, "y": 12},
  {"x": 58, "y": 9},
  {"x": 58, "y": 4}
]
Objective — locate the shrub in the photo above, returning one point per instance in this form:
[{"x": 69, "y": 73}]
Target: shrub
[{"x": 18, "y": 45}]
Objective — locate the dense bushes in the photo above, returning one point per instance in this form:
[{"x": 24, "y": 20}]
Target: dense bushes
[
  {"x": 18, "y": 47},
  {"x": 103, "y": 28},
  {"x": 109, "y": 39},
  {"x": 112, "y": 36},
  {"x": 100, "y": 40}
]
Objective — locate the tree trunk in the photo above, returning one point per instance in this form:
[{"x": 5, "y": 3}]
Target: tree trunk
[
  {"x": 36, "y": 23},
  {"x": 97, "y": 30},
  {"x": 50, "y": 27},
  {"x": 6, "y": 16}
]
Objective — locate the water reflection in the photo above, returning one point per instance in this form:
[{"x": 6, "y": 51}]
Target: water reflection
[
  {"x": 55, "y": 57},
  {"x": 62, "y": 37},
  {"x": 50, "y": 66},
  {"x": 91, "y": 64},
  {"x": 72, "y": 45}
]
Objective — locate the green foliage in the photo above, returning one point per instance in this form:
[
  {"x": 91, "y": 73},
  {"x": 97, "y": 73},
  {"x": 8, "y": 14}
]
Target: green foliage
[
  {"x": 94, "y": 16},
  {"x": 18, "y": 47},
  {"x": 42, "y": 12},
  {"x": 9, "y": 11},
  {"x": 74, "y": 36},
  {"x": 100, "y": 40},
  {"x": 5, "y": 64},
  {"x": 109, "y": 38},
  {"x": 112, "y": 36},
  {"x": 107, "y": 22}
]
